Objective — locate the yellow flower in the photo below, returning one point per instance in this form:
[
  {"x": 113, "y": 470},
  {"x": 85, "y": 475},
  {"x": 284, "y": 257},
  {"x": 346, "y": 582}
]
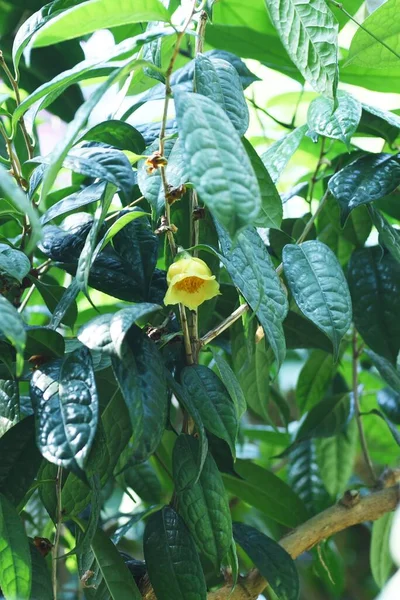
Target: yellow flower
[{"x": 190, "y": 282}]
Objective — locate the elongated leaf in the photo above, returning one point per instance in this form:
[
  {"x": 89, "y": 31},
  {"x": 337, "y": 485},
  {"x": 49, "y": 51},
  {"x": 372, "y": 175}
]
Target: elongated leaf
[
  {"x": 203, "y": 505},
  {"x": 117, "y": 134},
  {"x": 388, "y": 235},
  {"x": 327, "y": 418},
  {"x": 392, "y": 428},
  {"x": 253, "y": 273},
  {"x": 335, "y": 457},
  {"x": 386, "y": 370},
  {"x": 41, "y": 588},
  {"x": 366, "y": 49},
  {"x": 278, "y": 155},
  {"x": 314, "y": 380},
  {"x": 172, "y": 561},
  {"x": 218, "y": 80},
  {"x": 20, "y": 460},
  {"x": 213, "y": 403},
  {"x": 87, "y": 195},
  {"x": 389, "y": 402},
  {"x": 301, "y": 333},
  {"x": 338, "y": 123},
  {"x": 15, "y": 558},
  {"x": 116, "y": 576},
  {"x": 365, "y": 180},
  {"x": 309, "y": 33},
  {"x": 13, "y": 263},
  {"x": 231, "y": 383},
  {"x": 271, "y": 211},
  {"x": 319, "y": 288},
  {"x": 304, "y": 477},
  {"x": 377, "y": 121},
  {"x": 273, "y": 562},
  {"x": 374, "y": 282},
  {"x": 65, "y": 402},
  {"x": 12, "y": 327},
  {"x": 119, "y": 224},
  {"x": 223, "y": 177},
  {"x": 266, "y": 492},
  {"x": 381, "y": 561},
  {"x": 9, "y": 404},
  {"x": 139, "y": 371},
  {"x": 60, "y": 301}
]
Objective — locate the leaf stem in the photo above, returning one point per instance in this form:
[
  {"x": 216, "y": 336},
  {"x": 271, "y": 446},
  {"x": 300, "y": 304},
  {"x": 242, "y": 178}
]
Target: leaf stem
[
  {"x": 363, "y": 441},
  {"x": 312, "y": 220},
  {"x": 58, "y": 531}
]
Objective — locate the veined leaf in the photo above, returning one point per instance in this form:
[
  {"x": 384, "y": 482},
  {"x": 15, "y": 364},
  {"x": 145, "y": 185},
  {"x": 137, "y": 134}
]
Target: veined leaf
[
  {"x": 278, "y": 155},
  {"x": 328, "y": 417},
  {"x": 386, "y": 370},
  {"x": 117, "y": 134},
  {"x": 89, "y": 194},
  {"x": 224, "y": 177},
  {"x": 389, "y": 402},
  {"x": 309, "y": 33},
  {"x": 12, "y": 327},
  {"x": 231, "y": 383},
  {"x": 338, "y": 123},
  {"x": 203, "y": 505},
  {"x": 314, "y": 379},
  {"x": 172, "y": 561},
  {"x": 380, "y": 558},
  {"x": 9, "y": 404},
  {"x": 218, "y": 79},
  {"x": 388, "y": 235},
  {"x": 273, "y": 562},
  {"x": 15, "y": 557},
  {"x": 13, "y": 263},
  {"x": 41, "y": 581},
  {"x": 319, "y": 288},
  {"x": 98, "y": 14},
  {"x": 305, "y": 479}
]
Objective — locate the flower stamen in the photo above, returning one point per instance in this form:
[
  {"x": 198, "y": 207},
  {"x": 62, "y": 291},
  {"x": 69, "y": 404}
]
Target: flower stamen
[{"x": 191, "y": 285}]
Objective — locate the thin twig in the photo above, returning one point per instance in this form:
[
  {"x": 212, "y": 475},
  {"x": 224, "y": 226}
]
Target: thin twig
[
  {"x": 314, "y": 177},
  {"x": 186, "y": 336},
  {"x": 58, "y": 530},
  {"x": 356, "y": 398},
  {"x": 277, "y": 121},
  {"x": 312, "y": 220}
]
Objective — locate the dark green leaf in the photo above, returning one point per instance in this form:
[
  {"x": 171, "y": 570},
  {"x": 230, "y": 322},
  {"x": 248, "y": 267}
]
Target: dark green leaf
[
  {"x": 365, "y": 180},
  {"x": 278, "y": 155},
  {"x": 252, "y": 271},
  {"x": 314, "y": 380},
  {"x": 388, "y": 235},
  {"x": 15, "y": 558},
  {"x": 329, "y": 417},
  {"x": 380, "y": 557},
  {"x": 302, "y": 333},
  {"x": 171, "y": 558},
  {"x": 41, "y": 582},
  {"x": 335, "y": 458},
  {"x": 392, "y": 428},
  {"x": 213, "y": 402},
  {"x": 9, "y": 404},
  {"x": 304, "y": 477},
  {"x": 389, "y": 402},
  {"x": 224, "y": 178},
  {"x": 319, "y": 288},
  {"x": 144, "y": 482},
  {"x": 378, "y": 122},
  {"x": 54, "y": 297},
  {"x": 12, "y": 327},
  {"x": 13, "y": 263},
  {"x": 309, "y": 34},
  {"x": 117, "y": 134},
  {"x": 386, "y": 370},
  {"x": 204, "y": 504},
  {"x": 338, "y": 123},
  {"x": 374, "y": 281},
  {"x": 87, "y": 195},
  {"x": 266, "y": 492},
  {"x": 231, "y": 383},
  {"x": 273, "y": 562},
  {"x": 218, "y": 80},
  {"x": 44, "y": 341}
]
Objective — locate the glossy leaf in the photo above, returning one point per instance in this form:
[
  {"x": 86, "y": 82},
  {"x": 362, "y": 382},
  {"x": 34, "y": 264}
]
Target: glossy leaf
[
  {"x": 9, "y": 404},
  {"x": 319, "y": 288},
  {"x": 59, "y": 301},
  {"x": 381, "y": 561},
  {"x": 304, "y": 477},
  {"x": 203, "y": 505},
  {"x": 273, "y": 562},
  {"x": 15, "y": 558},
  {"x": 329, "y": 417},
  {"x": 388, "y": 235},
  {"x": 271, "y": 211},
  {"x": 335, "y": 457},
  {"x": 144, "y": 481},
  {"x": 314, "y": 380},
  {"x": 224, "y": 178},
  {"x": 89, "y": 194},
  {"x": 309, "y": 33},
  {"x": 117, "y": 134},
  {"x": 231, "y": 383},
  {"x": 302, "y": 333},
  {"x": 253, "y": 273},
  {"x": 386, "y": 369},
  {"x": 13, "y": 263},
  {"x": 41, "y": 588},
  {"x": 389, "y": 402},
  {"x": 213, "y": 402},
  {"x": 366, "y": 179},
  {"x": 278, "y": 155},
  {"x": 374, "y": 282},
  {"x": 172, "y": 561},
  {"x": 98, "y": 14},
  {"x": 218, "y": 80},
  {"x": 377, "y": 121},
  {"x": 392, "y": 428},
  {"x": 266, "y": 492},
  {"x": 12, "y": 327},
  {"x": 338, "y": 123}
]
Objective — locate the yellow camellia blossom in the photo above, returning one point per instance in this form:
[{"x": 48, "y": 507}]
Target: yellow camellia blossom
[{"x": 190, "y": 283}]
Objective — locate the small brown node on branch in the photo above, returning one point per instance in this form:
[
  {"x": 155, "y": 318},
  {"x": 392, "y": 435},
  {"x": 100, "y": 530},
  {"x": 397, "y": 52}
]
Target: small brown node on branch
[
  {"x": 43, "y": 545},
  {"x": 389, "y": 478},
  {"x": 85, "y": 578},
  {"x": 165, "y": 227},
  {"x": 154, "y": 162},
  {"x": 199, "y": 213},
  {"x": 37, "y": 360},
  {"x": 174, "y": 194},
  {"x": 350, "y": 498}
]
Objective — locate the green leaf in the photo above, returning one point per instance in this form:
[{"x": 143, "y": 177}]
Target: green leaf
[
  {"x": 271, "y": 211},
  {"x": 11, "y": 192},
  {"x": 13, "y": 263},
  {"x": 366, "y": 179},
  {"x": 172, "y": 561},
  {"x": 20, "y": 460},
  {"x": 9, "y": 404},
  {"x": 203, "y": 505},
  {"x": 252, "y": 271},
  {"x": 117, "y": 577},
  {"x": 140, "y": 373},
  {"x": 88, "y": 195},
  {"x": 150, "y": 184},
  {"x": 329, "y": 417},
  {"x": 304, "y": 477},
  {"x": 12, "y": 327},
  {"x": 392, "y": 428},
  {"x": 314, "y": 380},
  {"x": 213, "y": 402},
  {"x": 273, "y": 562},
  {"x": 374, "y": 281},
  {"x": 338, "y": 123},
  {"x": 389, "y": 402},
  {"x": 302, "y": 333},
  {"x": 382, "y": 26},
  {"x": 379, "y": 122},
  {"x": 388, "y": 235},
  {"x": 218, "y": 80},
  {"x": 278, "y": 155},
  {"x": 15, "y": 558},
  {"x": 335, "y": 457},
  {"x": 44, "y": 341},
  {"x": 65, "y": 402},
  {"x": 266, "y": 492},
  {"x": 144, "y": 481},
  {"x": 53, "y": 296},
  {"x": 309, "y": 33},
  {"x": 386, "y": 370},
  {"x": 41, "y": 588},
  {"x": 224, "y": 177},
  {"x": 231, "y": 383},
  {"x": 97, "y": 14},
  {"x": 319, "y": 288},
  {"x": 117, "y": 134},
  {"x": 380, "y": 558}
]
